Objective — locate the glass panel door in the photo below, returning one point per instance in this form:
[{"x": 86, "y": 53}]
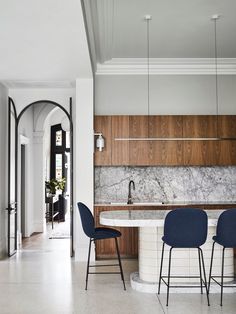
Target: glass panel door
[{"x": 12, "y": 179}]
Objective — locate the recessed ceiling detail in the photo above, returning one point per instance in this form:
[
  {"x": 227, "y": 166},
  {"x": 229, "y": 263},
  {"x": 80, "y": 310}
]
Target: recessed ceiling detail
[
  {"x": 102, "y": 15},
  {"x": 181, "y": 30}
]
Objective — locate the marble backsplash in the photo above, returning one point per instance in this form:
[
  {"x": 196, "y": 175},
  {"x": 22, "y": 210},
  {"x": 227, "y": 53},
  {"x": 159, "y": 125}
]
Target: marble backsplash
[{"x": 155, "y": 184}]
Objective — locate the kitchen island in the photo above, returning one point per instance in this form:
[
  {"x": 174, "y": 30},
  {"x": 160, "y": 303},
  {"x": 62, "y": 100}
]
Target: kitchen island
[{"x": 185, "y": 261}]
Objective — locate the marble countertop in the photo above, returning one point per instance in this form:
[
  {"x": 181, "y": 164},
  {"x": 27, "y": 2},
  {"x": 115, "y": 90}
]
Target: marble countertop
[
  {"x": 171, "y": 203},
  {"x": 145, "y": 218}
]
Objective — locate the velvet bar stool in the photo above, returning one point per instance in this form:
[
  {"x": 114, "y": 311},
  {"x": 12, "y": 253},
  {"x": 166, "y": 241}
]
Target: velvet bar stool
[
  {"x": 184, "y": 228},
  {"x": 96, "y": 234},
  {"x": 226, "y": 237}
]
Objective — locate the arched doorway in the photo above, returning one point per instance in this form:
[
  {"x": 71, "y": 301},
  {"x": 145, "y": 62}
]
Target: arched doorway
[{"x": 13, "y": 175}]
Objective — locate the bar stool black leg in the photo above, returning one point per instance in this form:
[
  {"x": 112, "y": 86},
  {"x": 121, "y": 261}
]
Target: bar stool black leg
[
  {"x": 200, "y": 269},
  {"x": 87, "y": 273},
  {"x": 222, "y": 276},
  {"x": 162, "y": 256},
  {"x": 168, "y": 285},
  {"x": 211, "y": 264},
  {"x": 121, "y": 270},
  {"x": 204, "y": 274}
]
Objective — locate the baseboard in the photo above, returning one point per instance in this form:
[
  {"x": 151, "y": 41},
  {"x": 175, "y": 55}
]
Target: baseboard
[
  {"x": 37, "y": 227},
  {"x": 3, "y": 249}
]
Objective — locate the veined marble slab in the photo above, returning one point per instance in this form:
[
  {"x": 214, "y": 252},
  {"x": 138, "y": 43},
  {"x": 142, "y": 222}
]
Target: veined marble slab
[{"x": 167, "y": 184}]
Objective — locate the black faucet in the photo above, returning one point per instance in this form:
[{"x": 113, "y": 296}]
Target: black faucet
[{"x": 130, "y": 201}]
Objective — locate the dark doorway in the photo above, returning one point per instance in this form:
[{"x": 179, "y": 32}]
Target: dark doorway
[{"x": 60, "y": 166}]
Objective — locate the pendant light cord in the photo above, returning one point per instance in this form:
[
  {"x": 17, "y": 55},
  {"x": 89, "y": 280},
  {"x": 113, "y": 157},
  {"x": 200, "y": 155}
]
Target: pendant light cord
[
  {"x": 216, "y": 78},
  {"x": 148, "y": 18}
]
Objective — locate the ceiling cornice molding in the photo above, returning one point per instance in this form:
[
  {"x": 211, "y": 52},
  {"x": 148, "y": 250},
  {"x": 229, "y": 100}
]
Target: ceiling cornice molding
[
  {"x": 102, "y": 13},
  {"x": 167, "y": 66}
]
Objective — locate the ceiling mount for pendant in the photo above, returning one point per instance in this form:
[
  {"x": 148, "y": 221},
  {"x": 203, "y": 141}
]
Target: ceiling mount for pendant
[
  {"x": 147, "y": 17},
  {"x": 215, "y": 17}
]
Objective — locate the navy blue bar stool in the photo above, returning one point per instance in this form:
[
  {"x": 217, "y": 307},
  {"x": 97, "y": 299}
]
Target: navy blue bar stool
[
  {"x": 96, "y": 234},
  {"x": 184, "y": 228},
  {"x": 226, "y": 237}
]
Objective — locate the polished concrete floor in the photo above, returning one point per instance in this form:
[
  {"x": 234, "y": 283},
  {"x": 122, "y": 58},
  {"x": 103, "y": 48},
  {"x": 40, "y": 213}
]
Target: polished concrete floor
[{"x": 42, "y": 278}]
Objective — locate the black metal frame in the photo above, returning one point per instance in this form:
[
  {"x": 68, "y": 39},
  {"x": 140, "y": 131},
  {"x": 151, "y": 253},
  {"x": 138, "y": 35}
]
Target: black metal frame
[
  {"x": 109, "y": 265},
  {"x": 10, "y": 207},
  {"x": 201, "y": 269},
  {"x": 221, "y": 284},
  {"x": 17, "y": 118}
]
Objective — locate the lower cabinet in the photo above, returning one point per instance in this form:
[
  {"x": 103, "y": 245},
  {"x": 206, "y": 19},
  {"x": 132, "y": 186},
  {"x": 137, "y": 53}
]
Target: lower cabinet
[{"x": 128, "y": 242}]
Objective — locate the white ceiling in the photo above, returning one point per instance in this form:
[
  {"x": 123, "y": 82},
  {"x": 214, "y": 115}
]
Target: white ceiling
[
  {"x": 178, "y": 29},
  {"x": 43, "y": 42}
]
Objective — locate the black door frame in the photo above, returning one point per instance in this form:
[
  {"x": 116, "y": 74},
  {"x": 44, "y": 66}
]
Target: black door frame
[
  {"x": 17, "y": 118},
  {"x": 12, "y": 206}
]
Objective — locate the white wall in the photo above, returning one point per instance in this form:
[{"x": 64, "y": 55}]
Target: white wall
[
  {"x": 83, "y": 159},
  {"x": 3, "y": 167},
  {"x": 24, "y": 96},
  {"x": 26, "y": 129},
  {"x": 169, "y": 94}
]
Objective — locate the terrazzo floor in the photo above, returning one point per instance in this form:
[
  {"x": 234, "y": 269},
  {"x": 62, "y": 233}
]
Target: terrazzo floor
[{"x": 42, "y": 278}]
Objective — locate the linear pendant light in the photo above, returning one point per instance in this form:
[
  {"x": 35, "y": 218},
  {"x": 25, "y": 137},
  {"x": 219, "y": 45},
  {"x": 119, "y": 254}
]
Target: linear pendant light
[{"x": 147, "y": 18}]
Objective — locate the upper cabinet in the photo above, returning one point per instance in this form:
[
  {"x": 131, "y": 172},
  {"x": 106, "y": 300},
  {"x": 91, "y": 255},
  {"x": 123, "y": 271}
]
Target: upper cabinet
[
  {"x": 227, "y": 126},
  {"x": 166, "y": 152},
  {"x": 199, "y": 126},
  {"x": 139, "y": 150},
  {"x": 120, "y": 149},
  {"x": 165, "y": 126}
]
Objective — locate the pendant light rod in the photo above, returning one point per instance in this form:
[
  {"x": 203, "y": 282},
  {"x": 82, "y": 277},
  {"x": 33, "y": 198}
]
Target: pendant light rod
[
  {"x": 148, "y": 18},
  {"x": 215, "y": 18}
]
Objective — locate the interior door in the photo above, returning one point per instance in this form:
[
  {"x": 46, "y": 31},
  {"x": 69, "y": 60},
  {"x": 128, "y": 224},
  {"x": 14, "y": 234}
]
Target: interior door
[
  {"x": 12, "y": 178},
  {"x": 71, "y": 184}
]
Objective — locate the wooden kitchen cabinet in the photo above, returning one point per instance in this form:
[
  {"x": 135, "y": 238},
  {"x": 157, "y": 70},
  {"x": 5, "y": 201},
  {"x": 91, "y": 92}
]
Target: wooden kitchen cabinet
[
  {"x": 120, "y": 149},
  {"x": 227, "y": 126},
  {"x": 167, "y": 152},
  {"x": 128, "y": 242},
  {"x": 226, "y": 153},
  {"x": 165, "y": 126},
  {"x": 200, "y": 153},
  {"x": 139, "y": 151},
  {"x": 199, "y": 126},
  {"x": 103, "y": 124}
]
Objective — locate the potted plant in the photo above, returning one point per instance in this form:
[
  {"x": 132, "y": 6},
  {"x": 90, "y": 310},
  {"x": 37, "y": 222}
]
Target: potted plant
[{"x": 54, "y": 185}]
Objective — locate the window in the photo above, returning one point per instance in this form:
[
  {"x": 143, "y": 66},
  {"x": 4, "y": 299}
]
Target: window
[
  {"x": 58, "y": 141},
  {"x": 58, "y": 166}
]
